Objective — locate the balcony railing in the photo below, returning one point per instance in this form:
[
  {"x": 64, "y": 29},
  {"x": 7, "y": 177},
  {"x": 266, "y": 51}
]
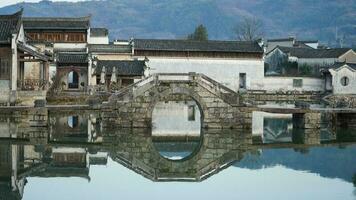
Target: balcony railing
[{"x": 32, "y": 84}]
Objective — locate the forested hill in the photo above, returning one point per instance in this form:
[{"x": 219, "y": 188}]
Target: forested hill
[{"x": 306, "y": 19}]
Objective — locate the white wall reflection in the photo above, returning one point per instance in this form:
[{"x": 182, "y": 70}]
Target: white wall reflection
[
  {"x": 176, "y": 119},
  {"x": 272, "y": 127}
]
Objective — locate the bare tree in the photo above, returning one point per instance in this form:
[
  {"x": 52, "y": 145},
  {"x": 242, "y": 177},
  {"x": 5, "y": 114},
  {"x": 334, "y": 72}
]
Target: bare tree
[{"x": 248, "y": 29}]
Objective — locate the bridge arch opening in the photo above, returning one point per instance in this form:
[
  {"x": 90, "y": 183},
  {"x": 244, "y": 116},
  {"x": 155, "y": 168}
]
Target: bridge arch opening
[{"x": 177, "y": 126}]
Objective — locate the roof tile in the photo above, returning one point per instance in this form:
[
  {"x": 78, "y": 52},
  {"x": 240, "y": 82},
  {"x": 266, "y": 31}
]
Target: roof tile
[
  {"x": 190, "y": 45},
  {"x": 123, "y": 67}
]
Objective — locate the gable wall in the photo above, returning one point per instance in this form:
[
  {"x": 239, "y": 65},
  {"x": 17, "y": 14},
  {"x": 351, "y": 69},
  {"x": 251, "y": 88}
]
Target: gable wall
[
  {"x": 336, "y": 81},
  {"x": 349, "y": 57}
]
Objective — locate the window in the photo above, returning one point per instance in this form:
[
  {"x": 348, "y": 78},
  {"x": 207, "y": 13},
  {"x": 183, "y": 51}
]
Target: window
[
  {"x": 191, "y": 113},
  {"x": 345, "y": 81},
  {"x": 242, "y": 79},
  {"x": 4, "y": 69},
  {"x": 298, "y": 83}
]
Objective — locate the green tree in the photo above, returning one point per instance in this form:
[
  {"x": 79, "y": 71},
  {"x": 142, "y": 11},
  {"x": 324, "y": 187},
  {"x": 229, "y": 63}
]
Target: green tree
[
  {"x": 200, "y": 33},
  {"x": 305, "y": 70}
]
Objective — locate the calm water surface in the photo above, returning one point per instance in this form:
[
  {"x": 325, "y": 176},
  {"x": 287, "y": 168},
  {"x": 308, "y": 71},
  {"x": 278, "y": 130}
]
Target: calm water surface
[{"x": 75, "y": 158}]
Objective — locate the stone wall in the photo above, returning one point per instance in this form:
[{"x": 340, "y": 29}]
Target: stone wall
[
  {"x": 261, "y": 96},
  {"x": 28, "y": 97},
  {"x": 307, "y": 127},
  {"x": 341, "y": 101}
]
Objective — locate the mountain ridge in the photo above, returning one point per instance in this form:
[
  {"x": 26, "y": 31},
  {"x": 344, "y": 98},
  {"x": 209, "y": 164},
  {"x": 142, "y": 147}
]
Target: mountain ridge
[{"x": 318, "y": 19}]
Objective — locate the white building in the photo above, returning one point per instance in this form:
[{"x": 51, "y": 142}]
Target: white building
[
  {"x": 98, "y": 36},
  {"x": 236, "y": 64},
  {"x": 343, "y": 78},
  {"x": 290, "y": 42},
  {"x": 285, "y": 65}
]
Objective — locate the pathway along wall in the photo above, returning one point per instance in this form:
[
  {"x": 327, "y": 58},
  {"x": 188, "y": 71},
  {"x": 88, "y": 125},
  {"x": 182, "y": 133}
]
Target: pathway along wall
[{"x": 127, "y": 111}]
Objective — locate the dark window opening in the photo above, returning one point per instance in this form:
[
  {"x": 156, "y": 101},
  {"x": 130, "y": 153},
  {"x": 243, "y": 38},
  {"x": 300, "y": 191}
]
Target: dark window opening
[
  {"x": 242, "y": 79},
  {"x": 191, "y": 113},
  {"x": 73, "y": 121},
  {"x": 73, "y": 80},
  {"x": 298, "y": 83},
  {"x": 345, "y": 81}
]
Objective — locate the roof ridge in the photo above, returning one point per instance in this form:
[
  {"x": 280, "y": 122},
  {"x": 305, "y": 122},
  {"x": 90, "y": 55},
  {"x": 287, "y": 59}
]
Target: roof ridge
[
  {"x": 197, "y": 41},
  {"x": 84, "y": 18}
]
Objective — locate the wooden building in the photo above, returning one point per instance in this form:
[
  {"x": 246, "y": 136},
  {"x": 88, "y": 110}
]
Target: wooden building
[
  {"x": 67, "y": 39},
  {"x": 57, "y": 30},
  {"x": 20, "y": 81}
]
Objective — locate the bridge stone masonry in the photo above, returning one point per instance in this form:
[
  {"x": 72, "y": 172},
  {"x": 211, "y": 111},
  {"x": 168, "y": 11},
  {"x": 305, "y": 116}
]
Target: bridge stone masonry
[
  {"x": 136, "y": 150},
  {"x": 132, "y": 107}
]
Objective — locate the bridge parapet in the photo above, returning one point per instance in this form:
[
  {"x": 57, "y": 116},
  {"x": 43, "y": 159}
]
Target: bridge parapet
[{"x": 138, "y": 88}]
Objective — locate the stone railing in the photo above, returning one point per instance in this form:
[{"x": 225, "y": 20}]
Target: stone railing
[
  {"x": 219, "y": 89},
  {"x": 32, "y": 84},
  {"x": 211, "y": 85}
]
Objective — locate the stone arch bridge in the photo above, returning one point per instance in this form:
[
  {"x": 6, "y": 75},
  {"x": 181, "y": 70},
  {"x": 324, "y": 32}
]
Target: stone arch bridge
[{"x": 132, "y": 107}]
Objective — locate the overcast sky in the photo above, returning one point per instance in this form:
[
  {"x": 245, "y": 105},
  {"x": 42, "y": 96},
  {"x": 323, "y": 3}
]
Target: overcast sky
[{"x": 10, "y": 2}]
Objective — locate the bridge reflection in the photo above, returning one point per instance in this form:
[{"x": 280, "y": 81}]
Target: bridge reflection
[{"x": 69, "y": 149}]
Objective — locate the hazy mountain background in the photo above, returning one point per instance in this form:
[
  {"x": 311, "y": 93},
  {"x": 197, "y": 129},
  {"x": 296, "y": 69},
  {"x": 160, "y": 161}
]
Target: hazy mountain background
[{"x": 306, "y": 19}]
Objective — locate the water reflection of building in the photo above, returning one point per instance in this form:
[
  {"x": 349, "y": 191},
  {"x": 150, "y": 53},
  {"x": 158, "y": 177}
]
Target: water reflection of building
[
  {"x": 18, "y": 162},
  {"x": 70, "y": 162},
  {"x": 15, "y": 162},
  {"x": 75, "y": 128},
  {"x": 272, "y": 127},
  {"x": 176, "y": 119}
]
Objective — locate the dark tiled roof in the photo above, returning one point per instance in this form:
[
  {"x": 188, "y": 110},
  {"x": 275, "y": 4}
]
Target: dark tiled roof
[
  {"x": 9, "y": 24},
  {"x": 55, "y": 171},
  {"x": 281, "y": 39},
  {"x": 48, "y": 23},
  {"x": 337, "y": 65},
  {"x": 313, "y": 53},
  {"x": 33, "y": 51},
  {"x": 203, "y": 46},
  {"x": 123, "y": 67},
  {"x": 308, "y": 41},
  {"x": 99, "y": 32},
  {"x": 72, "y": 58},
  {"x": 58, "y": 50},
  {"x": 109, "y": 48}
]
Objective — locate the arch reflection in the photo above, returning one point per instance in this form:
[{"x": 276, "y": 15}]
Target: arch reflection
[{"x": 176, "y": 128}]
